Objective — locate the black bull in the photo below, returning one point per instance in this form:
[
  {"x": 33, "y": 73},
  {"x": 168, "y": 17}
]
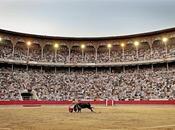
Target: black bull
[{"x": 79, "y": 106}]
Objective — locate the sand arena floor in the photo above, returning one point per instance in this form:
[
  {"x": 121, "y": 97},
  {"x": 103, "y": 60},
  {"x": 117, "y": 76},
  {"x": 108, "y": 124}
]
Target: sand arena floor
[{"x": 122, "y": 117}]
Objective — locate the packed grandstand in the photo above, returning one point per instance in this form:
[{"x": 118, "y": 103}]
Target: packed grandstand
[{"x": 133, "y": 67}]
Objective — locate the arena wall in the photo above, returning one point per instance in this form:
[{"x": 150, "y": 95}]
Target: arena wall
[{"x": 98, "y": 102}]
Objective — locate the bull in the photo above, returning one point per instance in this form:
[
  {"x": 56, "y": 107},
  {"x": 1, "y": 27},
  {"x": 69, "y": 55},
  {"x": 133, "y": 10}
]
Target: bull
[{"x": 78, "y": 106}]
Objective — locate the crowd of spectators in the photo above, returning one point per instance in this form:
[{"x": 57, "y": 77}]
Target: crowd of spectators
[
  {"x": 6, "y": 51},
  {"x": 61, "y": 55},
  {"x": 144, "y": 84}
]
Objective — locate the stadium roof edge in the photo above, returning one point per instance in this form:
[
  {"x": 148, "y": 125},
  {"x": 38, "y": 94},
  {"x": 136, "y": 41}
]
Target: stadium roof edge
[{"x": 87, "y": 38}]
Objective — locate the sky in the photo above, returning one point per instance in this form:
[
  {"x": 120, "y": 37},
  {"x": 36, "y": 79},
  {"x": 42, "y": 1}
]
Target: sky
[{"x": 86, "y": 18}]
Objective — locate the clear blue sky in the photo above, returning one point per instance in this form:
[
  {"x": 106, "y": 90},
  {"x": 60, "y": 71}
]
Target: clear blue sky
[{"x": 86, "y": 18}]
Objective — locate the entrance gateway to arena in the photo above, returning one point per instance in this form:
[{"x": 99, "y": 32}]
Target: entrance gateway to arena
[{"x": 29, "y": 95}]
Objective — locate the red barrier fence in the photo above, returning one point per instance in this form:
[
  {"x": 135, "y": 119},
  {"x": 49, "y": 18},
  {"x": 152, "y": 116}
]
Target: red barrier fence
[
  {"x": 98, "y": 102},
  {"x": 161, "y": 102}
]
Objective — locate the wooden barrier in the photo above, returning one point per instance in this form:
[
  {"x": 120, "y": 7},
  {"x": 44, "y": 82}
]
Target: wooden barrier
[{"x": 98, "y": 102}]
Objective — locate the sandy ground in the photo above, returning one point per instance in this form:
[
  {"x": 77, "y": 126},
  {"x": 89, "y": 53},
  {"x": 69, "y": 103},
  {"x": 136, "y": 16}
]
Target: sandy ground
[{"x": 122, "y": 117}]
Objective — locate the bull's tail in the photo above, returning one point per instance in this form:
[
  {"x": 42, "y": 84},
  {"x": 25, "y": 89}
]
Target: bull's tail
[{"x": 91, "y": 108}]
